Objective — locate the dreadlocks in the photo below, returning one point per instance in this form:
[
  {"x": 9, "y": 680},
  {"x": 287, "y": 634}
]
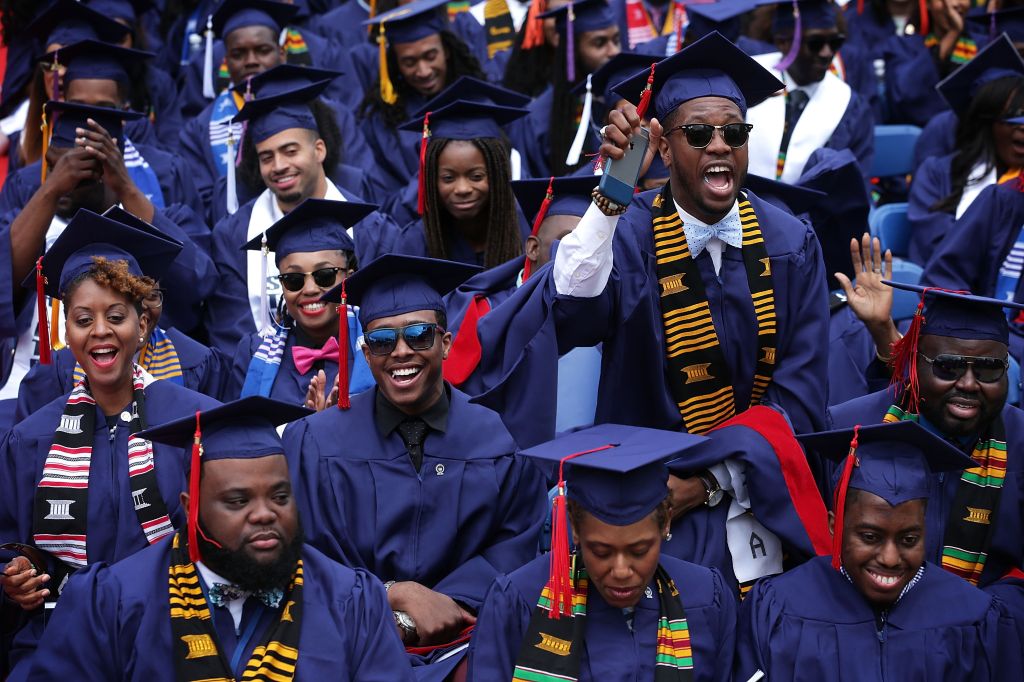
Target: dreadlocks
[
  {"x": 564, "y": 108},
  {"x": 504, "y": 241},
  {"x": 528, "y": 71},
  {"x": 461, "y": 62}
]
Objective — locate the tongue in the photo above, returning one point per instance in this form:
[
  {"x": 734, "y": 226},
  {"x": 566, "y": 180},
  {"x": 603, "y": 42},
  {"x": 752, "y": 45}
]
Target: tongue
[{"x": 718, "y": 180}]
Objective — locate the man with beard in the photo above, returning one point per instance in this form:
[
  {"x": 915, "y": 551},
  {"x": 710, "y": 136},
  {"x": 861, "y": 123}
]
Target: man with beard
[
  {"x": 238, "y": 594},
  {"x": 951, "y": 374}
]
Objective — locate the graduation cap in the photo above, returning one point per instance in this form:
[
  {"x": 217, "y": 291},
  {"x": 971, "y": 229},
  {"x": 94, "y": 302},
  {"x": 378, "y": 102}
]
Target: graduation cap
[
  {"x": 89, "y": 235},
  {"x": 267, "y": 116},
  {"x": 792, "y": 198},
  {"x": 390, "y": 285},
  {"x": 459, "y": 120},
  {"x": 94, "y": 59},
  {"x": 616, "y": 473},
  {"x": 578, "y": 17},
  {"x": 998, "y": 59},
  {"x": 722, "y": 16},
  {"x": 1009, "y": 21},
  {"x": 313, "y": 225},
  {"x": 232, "y": 15},
  {"x": 710, "y": 67},
  {"x": 243, "y": 429},
  {"x": 956, "y": 314},
  {"x": 798, "y": 16},
  {"x": 120, "y": 9},
  {"x": 62, "y": 118},
  {"x": 469, "y": 89},
  {"x": 67, "y": 21},
  {"x": 541, "y": 198},
  {"x": 405, "y": 24},
  {"x": 892, "y": 460},
  {"x": 282, "y": 78}
]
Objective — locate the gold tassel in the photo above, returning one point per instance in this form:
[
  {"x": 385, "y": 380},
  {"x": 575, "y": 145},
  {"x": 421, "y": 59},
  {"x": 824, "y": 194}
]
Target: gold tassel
[
  {"x": 45, "y": 127},
  {"x": 55, "y": 342},
  {"x": 387, "y": 90}
]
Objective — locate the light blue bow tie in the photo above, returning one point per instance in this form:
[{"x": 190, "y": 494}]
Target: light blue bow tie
[
  {"x": 728, "y": 229},
  {"x": 222, "y": 593}
]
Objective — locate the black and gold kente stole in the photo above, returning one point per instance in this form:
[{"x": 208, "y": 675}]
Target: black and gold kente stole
[
  {"x": 499, "y": 27},
  {"x": 550, "y": 651},
  {"x": 698, "y": 375},
  {"x": 970, "y": 525},
  {"x": 196, "y": 654}
]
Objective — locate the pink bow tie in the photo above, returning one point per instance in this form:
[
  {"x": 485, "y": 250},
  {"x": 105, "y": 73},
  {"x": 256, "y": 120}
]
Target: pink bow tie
[{"x": 305, "y": 357}]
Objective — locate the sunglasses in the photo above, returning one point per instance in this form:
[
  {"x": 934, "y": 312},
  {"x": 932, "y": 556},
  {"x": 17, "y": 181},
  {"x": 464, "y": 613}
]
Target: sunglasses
[
  {"x": 698, "y": 135},
  {"x": 816, "y": 43},
  {"x": 951, "y": 367},
  {"x": 325, "y": 278},
  {"x": 419, "y": 336}
]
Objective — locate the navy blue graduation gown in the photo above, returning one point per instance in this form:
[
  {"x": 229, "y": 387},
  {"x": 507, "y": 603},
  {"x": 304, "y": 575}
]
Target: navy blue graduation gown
[
  {"x": 1006, "y": 550},
  {"x": 869, "y": 30},
  {"x": 113, "y": 527},
  {"x": 396, "y": 152},
  {"x": 932, "y": 182},
  {"x": 811, "y": 624},
  {"x": 938, "y": 138},
  {"x": 163, "y": 96},
  {"x": 611, "y": 651},
  {"x": 204, "y": 370},
  {"x": 473, "y": 511},
  {"x": 525, "y": 336},
  {"x": 851, "y": 358},
  {"x": 114, "y": 624}
]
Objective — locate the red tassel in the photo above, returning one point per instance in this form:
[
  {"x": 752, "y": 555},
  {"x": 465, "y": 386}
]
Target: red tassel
[
  {"x": 422, "y": 193},
  {"x": 560, "y": 579},
  {"x": 44, "y": 335},
  {"x": 542, "y": 213},
  {"x": 343, "y": 344},
  {"x": 839, "y": 503},
  {"x": 680, "y": 12},
  {"x": 645, "y": 96},
  {"x": 922, "y": 8},
  {"x": 903, "y": 360},
  {"x": 193, "y": 495},
  {"x": 533, "y": 35},
  {"x": 860, "y": 7}
]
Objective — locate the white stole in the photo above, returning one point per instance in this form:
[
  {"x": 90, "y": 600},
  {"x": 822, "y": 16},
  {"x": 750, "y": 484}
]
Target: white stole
[{"x": 977, "y": 180}]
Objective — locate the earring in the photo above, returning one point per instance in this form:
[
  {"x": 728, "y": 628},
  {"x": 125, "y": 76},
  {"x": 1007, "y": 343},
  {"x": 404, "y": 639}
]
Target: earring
[
  {"x": 668, "y": 537},
  {"x": 141, "y": 339}
]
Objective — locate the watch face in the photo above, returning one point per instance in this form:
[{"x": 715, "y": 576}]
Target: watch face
[{"x": 715, "y": 497}]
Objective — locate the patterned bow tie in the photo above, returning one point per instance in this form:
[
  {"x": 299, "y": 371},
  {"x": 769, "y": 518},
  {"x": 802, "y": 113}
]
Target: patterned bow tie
[
  {"x": 305, "y": 357},
  {"x": 728, "y": 229},
  {"x": 222, "y": 593}
]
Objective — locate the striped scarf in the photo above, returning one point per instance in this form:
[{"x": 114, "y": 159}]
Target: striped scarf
[
  {"x": 61, "y": 499},
  {"x": 498, "y": 26},
  {"x": 197, "y": 656},
  {"x": 639, "y": 26},
  {"x": 969, "y": 527},
  {"x": 143, "y": 175},
  {"x": 551, "y": 649},
  {"x": 699, "y": 376},
  {"x": 963, "y": 51},
  {"x": 157, "y": 357}
]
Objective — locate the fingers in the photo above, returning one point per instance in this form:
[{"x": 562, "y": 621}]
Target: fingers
[
  {"x": 888, "y": 264},
  {"x": 617, "y": 133},
  {"x": 858, "y": 262},
  {"x": 846, "y": 284}
]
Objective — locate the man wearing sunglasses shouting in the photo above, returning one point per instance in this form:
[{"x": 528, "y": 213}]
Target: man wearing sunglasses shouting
[
  {"x": 817, "y": 109},
  {"x": 952, "y": 379}
]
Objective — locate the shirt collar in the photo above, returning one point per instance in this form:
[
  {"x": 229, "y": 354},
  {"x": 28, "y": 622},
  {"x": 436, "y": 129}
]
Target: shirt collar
[
  {"x": 690, "y": 220},
  {"x": 909, "y": 586},
  {"x": 388, "y": 417},
  {"x": 809, "y": 88},
  {"x": 332, "y": 193},
  {"x": 209, "y": 577}
]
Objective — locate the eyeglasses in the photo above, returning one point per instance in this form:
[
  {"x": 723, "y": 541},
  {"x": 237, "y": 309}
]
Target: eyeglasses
[
  {"x": 948, "y": 367},
  {"x": 325, "y": 278},
  {"x": 815, "y": 43},
  {"x": 418, "y": 336},
  {"x": 698, "y": 135},
  {"x": 155, "y": 299}
]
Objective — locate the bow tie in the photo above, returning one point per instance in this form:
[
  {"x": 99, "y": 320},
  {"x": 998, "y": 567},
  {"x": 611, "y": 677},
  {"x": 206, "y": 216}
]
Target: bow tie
[
  {"x": 728, "y": 229},
  {"x": 222, "y": 593},
  {"x": 305, "y": 357}
]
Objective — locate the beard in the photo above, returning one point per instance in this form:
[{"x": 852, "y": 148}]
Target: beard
[{"x": 239, "y": 567}]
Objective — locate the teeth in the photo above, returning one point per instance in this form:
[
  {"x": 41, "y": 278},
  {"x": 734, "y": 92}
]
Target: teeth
[
  {"x": 887, "y": 581},
  {"x": 313, "y": 307},
  {"x": 407, "y": 372},
  {"x": 103, "y": 351},
  {"x": 718, "y": 169}
]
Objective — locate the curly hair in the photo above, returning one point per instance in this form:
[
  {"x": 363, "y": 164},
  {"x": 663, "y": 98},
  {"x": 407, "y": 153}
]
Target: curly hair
[
  {"x": 662, "y": 513},
  {"x": 461, "y": 62},
  {"x": 113, "y": 275},
  {"x": 504, "y": 241}
]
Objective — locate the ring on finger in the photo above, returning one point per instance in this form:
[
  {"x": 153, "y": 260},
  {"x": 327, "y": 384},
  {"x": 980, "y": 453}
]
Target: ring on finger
[{"x": 602, "y": 131}]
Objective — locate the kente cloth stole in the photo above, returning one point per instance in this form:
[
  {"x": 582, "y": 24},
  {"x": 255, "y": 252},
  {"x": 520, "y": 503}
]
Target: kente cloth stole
[
  {"x": 197, "y": 657},
  {"x": 499, "y": 27},
  {"x": 157, "y": 357},
  {"x": 639, "y": 26},
  {"x": 550, "y": 651},
  {"x": 62, "y": 496},
  {"x": 698, "y": 375},
  {"x": 963, "y": 51},
  {"x": 296, "y": 51},
  {"x": 970, "y": 525}
]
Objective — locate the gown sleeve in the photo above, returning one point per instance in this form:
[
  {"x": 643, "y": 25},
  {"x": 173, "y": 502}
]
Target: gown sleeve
[
  {"x": 500, "y": 626},
  {"x": 927, "y": 226},
  {"x": 753, "y": 633}
]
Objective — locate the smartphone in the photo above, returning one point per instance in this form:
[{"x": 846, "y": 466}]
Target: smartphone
[{"x": 620, "y": 177}]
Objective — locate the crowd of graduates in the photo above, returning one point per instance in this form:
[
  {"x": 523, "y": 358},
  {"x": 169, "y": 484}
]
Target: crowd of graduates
[{"x": 520, "y": 340}]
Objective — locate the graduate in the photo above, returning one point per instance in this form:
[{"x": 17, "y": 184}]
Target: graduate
[
  {"x": 724, "y": 16},
  {"x": 313, "y": 253},
  {"x": 556, "y": 146},
  {"x": 418, "y": 57},
  {"x": 617, "y": 607},
  {"x": 85, "y": 168},
  {"x": 247, "y": 597},
  {"x": 877, "y": 609},
  {"x": 984, "y": 93},
  {"x": 833, "y": 115},
  {"x": 285, "y": 150},
  {"x": 604, "y": 283},
  {"x": 424, "y": 489},
  {"x": 96, "y": 503}
]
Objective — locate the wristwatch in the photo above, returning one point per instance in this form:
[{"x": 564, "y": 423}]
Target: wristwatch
[
  {"x": 711, "y": 487},
  {"x": 407, "y": 625}
]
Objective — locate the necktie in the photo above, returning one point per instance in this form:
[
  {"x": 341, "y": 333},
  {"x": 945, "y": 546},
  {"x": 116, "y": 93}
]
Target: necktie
[
  {"x": 729, "y": 229},
  {"x": 222, "y": 593},
  {"x": 796, "y": 101},
  {"x": 305, "y": 357},
  {"x": 413, "y": 430}
]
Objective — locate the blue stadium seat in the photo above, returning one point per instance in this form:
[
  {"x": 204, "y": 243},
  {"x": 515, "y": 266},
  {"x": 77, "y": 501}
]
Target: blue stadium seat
[
  {"x": 889, "y": 223},
  {"x": 894, "y": 150},
  {"x": 904, "y": 303},
  {"x": 1013, "y": 376}
]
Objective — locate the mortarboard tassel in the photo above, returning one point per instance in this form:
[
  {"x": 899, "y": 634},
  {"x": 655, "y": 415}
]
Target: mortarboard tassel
[
  {"x": 680, "y": 22},
  {"x": 55, "y": 342},
  {"x": 265, "y": 326},
  {"x": 387, "y": 90},
  {"x": 208, "y": 92},
  {"x": 44, "y": 337},
  {"x": 570, "y": 47},
  {"x": 542, "y": 213},
  {"x": 645, "y": 95},
  {"x": 343, "y": 345},
  {"x": 421, "y": 191},
  {"x": 860, "y": 7},
  {"x": 903, "y": 359},
  {"x": 193, "y": 494},
  {"x": 232, "y": 190},
  {"x": 533, "y": 31},
  {"x": 55, "y": 68},
  {"x": 576, "y": 150},
  {"x": 839, "y": 502},
  {"x": 991, "y": 26},
  {"x": 794, "y": 48},
  {"x": 44, "y": 126},
  {"x": 922, "y": 9}
]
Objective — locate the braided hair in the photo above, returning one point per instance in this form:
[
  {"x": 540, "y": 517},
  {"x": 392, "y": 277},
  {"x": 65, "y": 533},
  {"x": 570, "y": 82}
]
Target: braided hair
[
  {"x": 562, "y": 120},
  {"x": 528, "y": 71},
  {"x": 504, "y": 241},
  {"x": 461, "y": 62}
]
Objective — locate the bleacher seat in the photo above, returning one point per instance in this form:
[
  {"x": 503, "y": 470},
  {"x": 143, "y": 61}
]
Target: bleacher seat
[
  {"x": 889, "y": 223},
  {"x": 904, "y": 303},
  {"x": 894, "y": 150}
]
